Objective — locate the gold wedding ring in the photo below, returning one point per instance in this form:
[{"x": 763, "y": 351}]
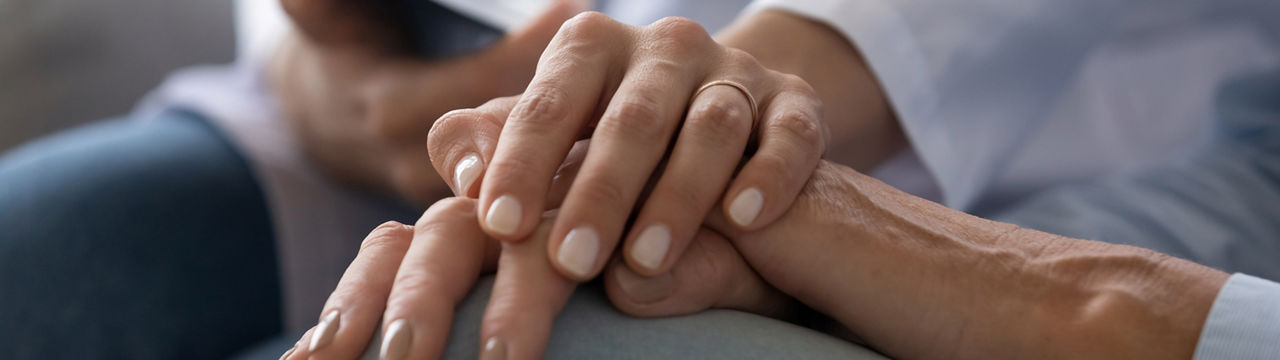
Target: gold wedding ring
[{"x": 751, "y": 100}]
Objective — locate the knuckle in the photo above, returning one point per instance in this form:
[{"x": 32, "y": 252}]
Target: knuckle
[
  {"x": 719, "y": 119},
  {"x": 742, "y": 61},
  {"x": 797, "y": 84},
  {"x": 540, "y": 109},
  {"x": 679, "y": 28},
  {"x": 676, "y": 38},
  {"x": 635, "y": 117},
  {"x": 586, "y": 26},
  {"x": 390, "y": 234},
  {"x": 601, "y": 191},
  {"x": 802, "y": 126}
]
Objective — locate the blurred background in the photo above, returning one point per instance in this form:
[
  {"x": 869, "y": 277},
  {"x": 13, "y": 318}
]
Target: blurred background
[{"x": 67, "y": 62}]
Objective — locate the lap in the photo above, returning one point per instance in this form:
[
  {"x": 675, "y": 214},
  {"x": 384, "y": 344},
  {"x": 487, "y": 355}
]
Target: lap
[
  {"x": 134, "y": 239},
  {"x": 590, "y": 328}
]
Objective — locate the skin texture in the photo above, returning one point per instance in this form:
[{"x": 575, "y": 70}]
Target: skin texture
[
  {"x": 916, "y": 280},
  {"x": 908, "y": 277},
  {"x": 358, "y": 103},
  {"x": 419, "y": 273},
  {"x": 713, "y": 156},
  {"x": 864, "y": 130},
  {"x": 628, "y": 89}
]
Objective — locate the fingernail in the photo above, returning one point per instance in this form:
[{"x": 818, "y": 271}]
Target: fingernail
[
  {"x": 578, "y": 251},
  {"x": 643, "y": 290},
  {"x": 504, "y": 215},
  {"x": 494, "y": 349},
  {"x": 746, "y": 207},
  {"x": 465, "y": 173},
  {"x": 395, "y": 345},
  {"x": 325, "y": 331},
  {"x": 651, "y": 246}
]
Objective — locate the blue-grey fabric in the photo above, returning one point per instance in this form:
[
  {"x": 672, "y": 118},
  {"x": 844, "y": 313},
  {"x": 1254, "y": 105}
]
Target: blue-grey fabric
[
  {"x": 590, "y": 328},
  {"x": 1219, "y": 207},
  {"x": 1244, "y": 322},
  {"x": 134, "y": 240}
]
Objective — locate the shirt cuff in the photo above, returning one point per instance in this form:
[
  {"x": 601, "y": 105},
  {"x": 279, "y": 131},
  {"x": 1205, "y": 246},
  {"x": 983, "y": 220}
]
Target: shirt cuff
[{"x": 1244, "y": 322}]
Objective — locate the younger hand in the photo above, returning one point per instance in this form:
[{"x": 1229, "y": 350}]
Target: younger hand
[{"x": 359, "y": 104}]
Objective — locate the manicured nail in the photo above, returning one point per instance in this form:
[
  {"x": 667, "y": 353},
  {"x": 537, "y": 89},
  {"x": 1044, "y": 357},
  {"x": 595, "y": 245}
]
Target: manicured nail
[
  {"x": 504, "y": 215},
  {"x": 578, "y": 251},
  {"x": 651, "y": 246},
  {"x": 325, "y": 331},
  {"x": 746, "y": 206},
  {"x": 465, "y": 173},
  {"x": 395, "y": 345},
  {"x": 644, "y": 290},
  {"x": 494, "y": 349}
]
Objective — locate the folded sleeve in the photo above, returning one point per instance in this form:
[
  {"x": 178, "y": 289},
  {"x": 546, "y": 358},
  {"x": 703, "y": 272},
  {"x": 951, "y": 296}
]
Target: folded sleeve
[
  {"x": 1244, "y": 322},
  {"x": 971, "y": 79}
]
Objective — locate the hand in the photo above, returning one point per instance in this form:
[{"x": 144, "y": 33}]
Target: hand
[
  {"x": 419, "y": 273},
  {"x": 642, "y": 84},
  {"x": 359, "y": 104},
  {"x": 915, "y": 279},
  {"x": 407, "y": 281}
]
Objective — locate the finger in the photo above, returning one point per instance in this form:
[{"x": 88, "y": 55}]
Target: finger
[
  {"x": 462, "y": 142},
  {"x": 524, "y": 46},
  {"x": 545, "y": 123},
  {"x": 298, "y": 351},
  {"x": 351, "y": 313},
  {"x": 707, "y": 151},
  {"x": 566, "y": 174},
  {"x": 709, "y": 274},
  {"x": 792, "y": 140},
  {"x": 631, "y": 138},
  {"x": 404, "y": 81},
  {"x": 527, "y": 295},
  {"x": 447, "y": 255}
]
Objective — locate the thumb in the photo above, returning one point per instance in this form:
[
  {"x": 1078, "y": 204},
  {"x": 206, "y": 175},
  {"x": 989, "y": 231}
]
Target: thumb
[
  {"x": 462, "y": 142},
  {"x": 525, "y": 45},
  {"x": 710, "y": 274}
]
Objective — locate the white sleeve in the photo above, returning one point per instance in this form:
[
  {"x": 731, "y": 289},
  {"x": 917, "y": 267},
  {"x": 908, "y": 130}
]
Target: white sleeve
[
  {"x": 1244, "y": 321},
  {"x": 969, "y": 79}
]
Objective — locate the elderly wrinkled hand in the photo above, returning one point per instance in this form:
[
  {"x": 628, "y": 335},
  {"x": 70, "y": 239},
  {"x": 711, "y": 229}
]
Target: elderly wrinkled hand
[
  {"x": 407, "y": 280},
  {"x": 663, "y": 100}
]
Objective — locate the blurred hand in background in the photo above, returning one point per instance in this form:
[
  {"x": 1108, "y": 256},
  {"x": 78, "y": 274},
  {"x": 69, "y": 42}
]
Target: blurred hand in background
[{"x": 361, "y": 105}]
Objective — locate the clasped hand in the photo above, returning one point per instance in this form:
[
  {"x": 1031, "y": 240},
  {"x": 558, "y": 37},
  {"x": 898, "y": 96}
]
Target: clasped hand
[{"x": 663, "y": 146}]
